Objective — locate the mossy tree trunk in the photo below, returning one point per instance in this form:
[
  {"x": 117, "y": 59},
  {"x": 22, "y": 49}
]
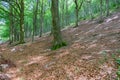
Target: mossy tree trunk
[
  {"x": 57, "y": 42},
  {"x": 22, "y": 22}
]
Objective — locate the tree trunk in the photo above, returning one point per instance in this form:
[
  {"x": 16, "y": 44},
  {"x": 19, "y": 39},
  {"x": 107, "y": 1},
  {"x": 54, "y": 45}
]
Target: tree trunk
[
  {"x": 117, "y": 2},
  {"x": 107, "y": 8},
  {"x": 76, "y": 12},
  {"x": 62, "y": 13},
  {"x": 35, "y": 20},
  {"x": 58, "y": 42},
  {"x": 11, "y": 26},
  {"x": 41, "y": 18},
  {"x": 22, "y": 22},
  {"x": 101, "y": 12},
  {"x": 67, "y": 14},
  {"x": 77, "y": 18},
  {"x": 77, "y": 8},
  {"x": 90, "y": 9}
]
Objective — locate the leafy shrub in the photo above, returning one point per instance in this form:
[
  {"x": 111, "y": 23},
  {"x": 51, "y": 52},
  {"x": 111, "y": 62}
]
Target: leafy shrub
[{"x": 4, "y": 32}]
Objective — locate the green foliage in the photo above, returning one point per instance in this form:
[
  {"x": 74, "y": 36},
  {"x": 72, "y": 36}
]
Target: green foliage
[
  {"x": 118, "y": 74},
  {"x": 104, "y": 58},
  {"x": 118, "y": 71},
  {"x": 4, "y": 32},
  {"x": 118, "y": 61},
  {"x": 88, "y": 11},
  {"x": 118, "y": 51}
]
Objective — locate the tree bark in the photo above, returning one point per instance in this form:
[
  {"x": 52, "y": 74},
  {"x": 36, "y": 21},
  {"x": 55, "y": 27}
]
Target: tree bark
[
  {"x": 35, "y": 20},
  {"x": 77, "y": 8},
  {"x": 101, "y": 12},
  {"x": 11, "y": 26},
  {"x": 77, "y": 18},
  {"x": 57, "y": 42},
  {"x": 107, "y": 8},
  {"x": 22, "y": 22},
  {"x": 62, "y": 13},
  {"x": 67, "y": 14},
  {"x": 41, "y": 18}
]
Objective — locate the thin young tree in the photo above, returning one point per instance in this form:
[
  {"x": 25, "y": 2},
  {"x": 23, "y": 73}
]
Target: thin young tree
[
  {"x": 78, "y": 5},
  {"x": 66, "y": 13},
  {"x": 62, "y": 12},
  {"x": 35, "y": 11},
  {"x": 107, "y": 8},
  {"x": 89, "y": 4},
  {"x": 101, "y": 11},
  {"x": 11, "y": 37},
  {"x": 41, "y": 17}
]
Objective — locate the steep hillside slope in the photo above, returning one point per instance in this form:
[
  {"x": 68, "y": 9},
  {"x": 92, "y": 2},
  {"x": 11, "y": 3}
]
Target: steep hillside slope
[{"x": 88, "y": 55}]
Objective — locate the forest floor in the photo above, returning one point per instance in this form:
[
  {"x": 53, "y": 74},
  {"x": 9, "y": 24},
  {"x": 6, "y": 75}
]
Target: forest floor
[{"x": 88, "y": 55}]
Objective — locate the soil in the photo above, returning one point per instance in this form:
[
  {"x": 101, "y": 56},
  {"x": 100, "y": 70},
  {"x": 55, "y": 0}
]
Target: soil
[{"x": 87, "y": 56}]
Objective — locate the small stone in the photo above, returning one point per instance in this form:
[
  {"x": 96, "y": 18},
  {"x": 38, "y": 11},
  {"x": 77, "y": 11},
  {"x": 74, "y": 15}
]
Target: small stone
[
  {"x": 4, "y": 66},
  {"x": 21, "y": 49},
  {"x": 4, "y": 77},
  {"x": 3, "y": 49},
  {"x": 13, "y": 50}
]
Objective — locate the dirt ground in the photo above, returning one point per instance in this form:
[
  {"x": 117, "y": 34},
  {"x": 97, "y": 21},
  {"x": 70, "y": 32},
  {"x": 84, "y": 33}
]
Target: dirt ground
[{"x": 88, "y": 55}]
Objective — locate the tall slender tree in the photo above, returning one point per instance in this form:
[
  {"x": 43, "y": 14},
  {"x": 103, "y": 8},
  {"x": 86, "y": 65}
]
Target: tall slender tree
[
  {"x": 11, "y": 38},
  {"x": 77, "y": 9},
  {"x": 21, "y": 8},
  {"x": 101, "y": 11},
  {"x": 35, "y": 11},
  {"x": 62, "y": 13},
  {"x": 107, "y": 8},
  {"x": 67, "y": 13},
  {"x": 41, "y": 17}
]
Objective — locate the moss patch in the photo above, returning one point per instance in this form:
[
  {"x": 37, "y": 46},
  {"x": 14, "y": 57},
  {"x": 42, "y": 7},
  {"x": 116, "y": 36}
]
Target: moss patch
[{"x": 57, "y": 46}]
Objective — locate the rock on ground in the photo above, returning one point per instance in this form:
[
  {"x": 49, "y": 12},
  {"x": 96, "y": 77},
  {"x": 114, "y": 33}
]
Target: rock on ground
[{"x": 4, "y": 77}]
